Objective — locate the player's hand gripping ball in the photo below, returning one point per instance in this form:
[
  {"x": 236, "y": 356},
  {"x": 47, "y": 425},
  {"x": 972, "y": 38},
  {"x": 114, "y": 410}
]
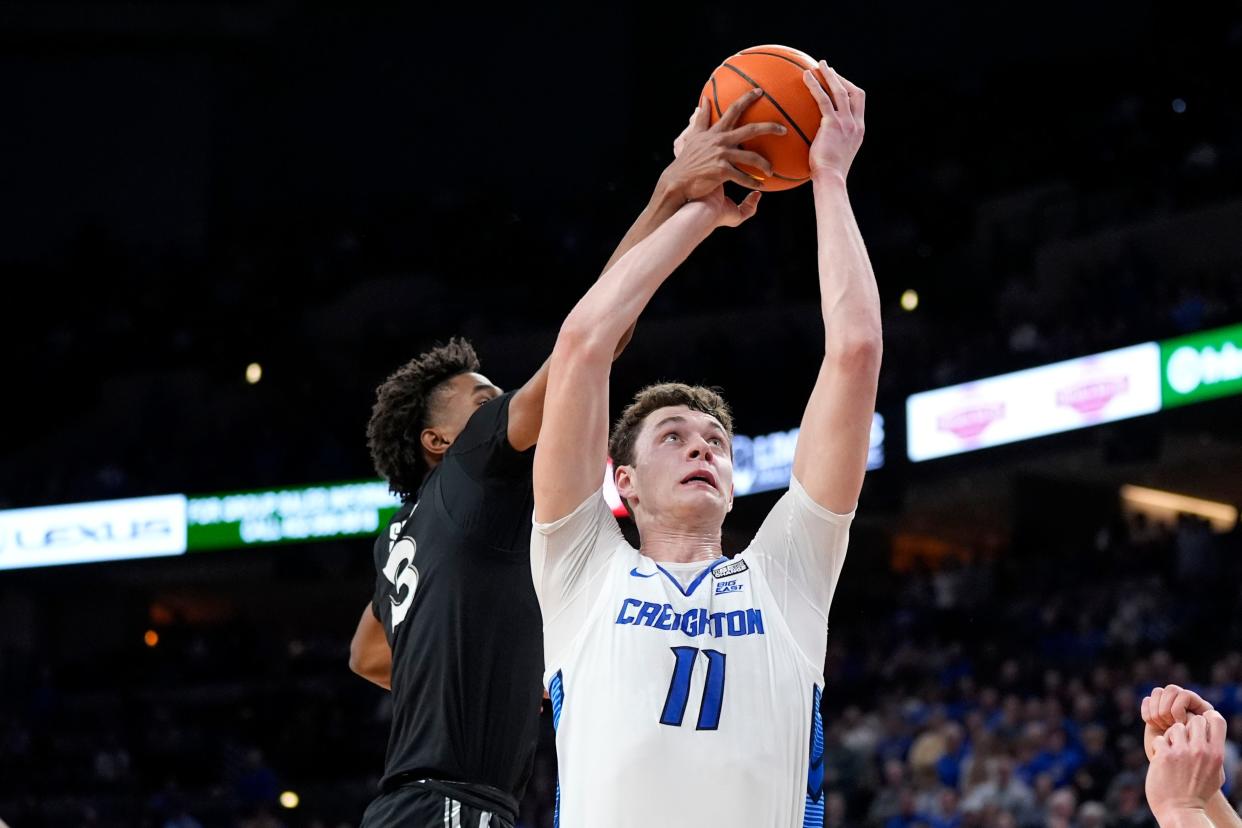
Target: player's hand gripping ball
[{"x": 778, "y": 71}]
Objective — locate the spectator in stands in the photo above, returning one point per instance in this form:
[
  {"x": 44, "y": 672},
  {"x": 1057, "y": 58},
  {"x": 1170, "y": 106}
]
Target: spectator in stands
[
  {"x": 1098, "y": 765},
  {"x": 1002, "y": 790},
  {"x": 947, "y": 811},
  {"x": 1092, "y": 815},
  {"x": 887, "y": 802},
  {"x": 949, "y": 765}
]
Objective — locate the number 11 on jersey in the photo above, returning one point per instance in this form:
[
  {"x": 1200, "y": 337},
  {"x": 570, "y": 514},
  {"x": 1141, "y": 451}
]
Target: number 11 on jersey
[{"x": 679, "y": 688}]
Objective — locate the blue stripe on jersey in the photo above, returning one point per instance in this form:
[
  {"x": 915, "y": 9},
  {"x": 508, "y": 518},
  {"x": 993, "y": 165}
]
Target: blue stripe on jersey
[
  {"x": 556, "y": 692},
  {"x": 698, "y": 579},
  {"x": 813, "y": 817}
]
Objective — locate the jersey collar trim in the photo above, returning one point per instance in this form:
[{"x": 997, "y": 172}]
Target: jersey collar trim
[{"x": 698, "y": 579}]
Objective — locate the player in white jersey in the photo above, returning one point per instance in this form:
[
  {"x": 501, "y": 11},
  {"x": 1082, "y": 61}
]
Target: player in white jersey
[{"x": 686, "y": 685}]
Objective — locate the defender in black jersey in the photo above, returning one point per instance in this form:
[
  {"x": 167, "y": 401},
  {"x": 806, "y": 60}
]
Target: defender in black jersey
[
  {"x": 455, "y": 599},
  {"x": 453, "y": 628}
]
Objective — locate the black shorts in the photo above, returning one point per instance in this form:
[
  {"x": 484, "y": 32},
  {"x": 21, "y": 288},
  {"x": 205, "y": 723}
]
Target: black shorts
[{"x": 431, "y": 804}]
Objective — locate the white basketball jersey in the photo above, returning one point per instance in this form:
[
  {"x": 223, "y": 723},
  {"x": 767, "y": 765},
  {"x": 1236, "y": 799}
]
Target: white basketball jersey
[{"x": 688, "y": 694}]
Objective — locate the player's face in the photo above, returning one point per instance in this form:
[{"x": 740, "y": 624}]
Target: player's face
[
  {"x": 683, "y": 469},
  {"x": 462, "y": 396}
]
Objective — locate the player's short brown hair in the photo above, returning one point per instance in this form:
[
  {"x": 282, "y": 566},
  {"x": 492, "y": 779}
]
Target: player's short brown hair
[
  {"x": 694, "y": 397},
  {"x": 405, "y": 405}
]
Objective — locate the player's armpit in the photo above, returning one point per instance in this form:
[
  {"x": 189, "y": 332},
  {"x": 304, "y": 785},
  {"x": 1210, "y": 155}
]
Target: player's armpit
[
  {"x": 802, "y": 548},
  {"x": 369, "y": 653},
  {"x": 564, "y": 552},
  {"x": 569, "y": 561}
]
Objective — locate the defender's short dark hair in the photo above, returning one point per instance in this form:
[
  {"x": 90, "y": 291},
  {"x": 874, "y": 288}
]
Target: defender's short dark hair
[
  {"x": 404, "y": 405},
  {"x": 694, "y": 397}
]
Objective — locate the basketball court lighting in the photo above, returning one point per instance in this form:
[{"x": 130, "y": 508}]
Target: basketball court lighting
[
  {"x": 254, "y": 373},
  {"x": 910, "y": 299},
  {"x": 1222, "y": 516},
  {"x": 289, "y": 800}
]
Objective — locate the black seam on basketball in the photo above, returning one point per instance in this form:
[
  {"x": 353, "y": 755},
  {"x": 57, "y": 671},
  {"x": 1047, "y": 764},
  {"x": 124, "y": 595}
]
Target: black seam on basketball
[
  {"x": 782, "y": 57},
  {"x": 773, "y": 175},
  {"x": 716, "y": 97},
  {"x": 779, "y": 108},
  {"x": 758, "y": 181}
]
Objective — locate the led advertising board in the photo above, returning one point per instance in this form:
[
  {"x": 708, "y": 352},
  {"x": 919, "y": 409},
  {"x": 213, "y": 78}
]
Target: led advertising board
[
  {"x": 1050, "y": 399},
  {"x": 308, "y": 513},
  {"x": 110, "y": 530},
  {"x": 174, "y": 524},
  {"x": 1201, "y": 366}
]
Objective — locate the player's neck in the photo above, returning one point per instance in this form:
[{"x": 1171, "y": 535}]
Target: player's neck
[{"x": 669, "y": 544}]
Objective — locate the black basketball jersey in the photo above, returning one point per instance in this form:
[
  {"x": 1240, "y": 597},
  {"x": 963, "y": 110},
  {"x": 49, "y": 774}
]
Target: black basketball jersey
[{"x": 454, "y": 593}]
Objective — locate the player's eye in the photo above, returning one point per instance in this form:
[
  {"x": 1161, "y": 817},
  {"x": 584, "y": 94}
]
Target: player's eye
[
  {"x": 672, "y": 435},
  {"x": 716, "y": 441}
]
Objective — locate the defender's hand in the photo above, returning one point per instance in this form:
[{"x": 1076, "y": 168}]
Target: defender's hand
[
  {"x": 727, "y": 212},
  {"x": 704, "y": 156}
]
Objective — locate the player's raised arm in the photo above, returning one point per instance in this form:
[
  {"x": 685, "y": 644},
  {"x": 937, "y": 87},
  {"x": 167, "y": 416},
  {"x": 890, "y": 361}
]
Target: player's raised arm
[
  {"x": 574, "y": 443},
  {"x": 831, "y": 457},
  {"x": 704, "y": 157}
]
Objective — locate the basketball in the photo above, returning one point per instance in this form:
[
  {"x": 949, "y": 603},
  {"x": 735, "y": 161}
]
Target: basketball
[{"x": 778, "y": 71}]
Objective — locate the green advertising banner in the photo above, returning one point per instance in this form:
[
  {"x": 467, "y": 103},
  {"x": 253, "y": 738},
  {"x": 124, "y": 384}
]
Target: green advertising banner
[
  {"x": 311, "y": 513},
  {"x": 1201, "y": 366}
]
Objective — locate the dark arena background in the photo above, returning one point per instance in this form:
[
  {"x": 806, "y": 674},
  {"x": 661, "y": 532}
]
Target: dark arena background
[{"x": 223, "y": 224}]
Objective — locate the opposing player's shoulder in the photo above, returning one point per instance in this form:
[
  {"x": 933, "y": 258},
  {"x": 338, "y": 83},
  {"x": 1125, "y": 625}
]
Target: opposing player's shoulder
[
  {"x": 392, "y": 531},
  {"x": 487, "y": 424}
]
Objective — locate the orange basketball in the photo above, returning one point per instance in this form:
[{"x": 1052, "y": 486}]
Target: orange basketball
[{"x": 786, "y": 100}]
